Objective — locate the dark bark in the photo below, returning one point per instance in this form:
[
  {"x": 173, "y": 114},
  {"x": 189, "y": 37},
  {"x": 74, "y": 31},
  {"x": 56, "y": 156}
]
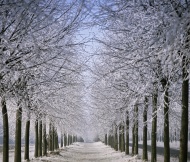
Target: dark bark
[
  {"x": 44, "y": 140},
  {"x": 27, "y": 135},
  {"x": 136, "y": 130},
  {"x": 105, "y": 139},
  {"x": 127, "y": 134},
  {"x": 145, "y": 153},
  {"x": 154, "y": 125},
  {"x": 57, "y": 140},
  {"x": 185, "y": 112},
  {"x": 166, "y": 122},
  {"x": 5, "y": 131},
  {"x": 108, "y": 140},
  {"x": 17, "y": 156},
  {"x": 116, "y": 139},
  {"x": 112, "y": 141},
  {"x": 65, "y": 140},
  {"x": 122, "y": 139},
  {"x": 61, "y": 140},
  {"x": 133, "y": 138},
  {"x": 53, "y": 137},
  {"x": 36, "y": 139},
  {"x": 40, "y": 139},
  {"x": 50, "y": 136},
  {"x": 68, "y": 140}
]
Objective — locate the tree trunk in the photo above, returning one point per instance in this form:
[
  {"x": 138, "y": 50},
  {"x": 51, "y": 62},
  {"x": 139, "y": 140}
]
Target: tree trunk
[
  {"x": 123, "y": 139},
  {"x": 5, "y": 131},
  {"x": 68, "y": 139},
  {"x": 136, "y": 130},
  {"x": 166, "y": 122},
  {"x": 127, "y": 134},
  {"x": 36, "y": 139},
  {"x": 53, "y": 137},
  {"x": 133, "y": 138},
  {"x": 61, "y": 140},
  {"x": 108, "y": 140},
  {"x": 50, "y": 136},
  {"x": 27, "y": 135},
  {"x": 40, "y": 139},
  {"x": 65, "y": 140},
  {"x": 116, "y": 139},
  {"x": 57, "y": 139},
  {"x": 154, "y": 125},
  {"x": 120, "y": 137},
  {"x": 105, "y": 139},
  {"x": 184, "y": 116},
  {"x": 17, "y": 157},
  {"x": 145, "y": 153},
  {"x": 44, "y": 140}
]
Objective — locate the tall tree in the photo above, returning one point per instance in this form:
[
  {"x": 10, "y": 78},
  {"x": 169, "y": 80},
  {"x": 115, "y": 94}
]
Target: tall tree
[
  {"x": 145, "y": 123},
  {"x": 185, "y": 112},
  {"x": 5, "y": 131},
  {"x": 40, "y": 138},
  {"x": 44, "y": 140},
  {"x": 136, "y": 130},
  {"x": 166, "y": 121},
  {"x": 17, "y": 157},
  {"x": 36, "y": 139},
  {"x": 154, "y": 124},
  {"x": 127, "y": 134}
]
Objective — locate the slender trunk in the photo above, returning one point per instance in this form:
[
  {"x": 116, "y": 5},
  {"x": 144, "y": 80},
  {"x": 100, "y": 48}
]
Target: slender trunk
[
  {"x": 65, "y": 140},
  {"x": 136, "y": 130},
  {"x": 120, "y": 136},
  {"x": 71, "y": 139},
  {"x": 111, "y": 141},
  {"x": 27, "y": 135},
  {"x": 122, "y": 139},
  {"x": 40, "y": 139},
  {"x": 127, "y": 134},
  {"x": 68, "y": 139},
  {"x": 184, "y": 116},
  {"x": 108, "y": 140},
  {"x": 36, "y": 139},
  {"x": 133, "y": 138},
  {"x": 44, "y": 140},
  {"x": 154, "y": 126},
  {"x": 57, "y": 140},
  {"x": 145, "y": 153},
  {"x": 61, "y": 140},
  {"x": 116, "y": 139},
  {"x": 17, "y": 157},
  {"x": 50, "y": 136},
  {"x": 105, "y": 139},
  {"x": 53, "y": 137},
  {"x": 5, "y": 131},
  {"x": 166, "y": 123}
]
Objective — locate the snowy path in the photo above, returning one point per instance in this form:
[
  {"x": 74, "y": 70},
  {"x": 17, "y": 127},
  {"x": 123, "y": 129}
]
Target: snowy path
[{"x": 88, "y": 152}]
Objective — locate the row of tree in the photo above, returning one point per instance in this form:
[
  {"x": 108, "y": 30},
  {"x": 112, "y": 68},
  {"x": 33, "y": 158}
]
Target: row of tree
[
  {"x": 40, "y": 71},
  {"x": 141, "y": 80}
]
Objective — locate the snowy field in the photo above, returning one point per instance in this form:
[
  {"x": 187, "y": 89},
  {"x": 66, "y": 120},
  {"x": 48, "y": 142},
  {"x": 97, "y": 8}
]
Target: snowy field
[{"x": 87, "y": 152}]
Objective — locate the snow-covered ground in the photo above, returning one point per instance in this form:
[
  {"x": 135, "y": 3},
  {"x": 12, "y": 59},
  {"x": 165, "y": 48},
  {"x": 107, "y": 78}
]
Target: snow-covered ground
[
  {"x": 87, "y": 152},
  {"x": 174, "y": 145}
]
